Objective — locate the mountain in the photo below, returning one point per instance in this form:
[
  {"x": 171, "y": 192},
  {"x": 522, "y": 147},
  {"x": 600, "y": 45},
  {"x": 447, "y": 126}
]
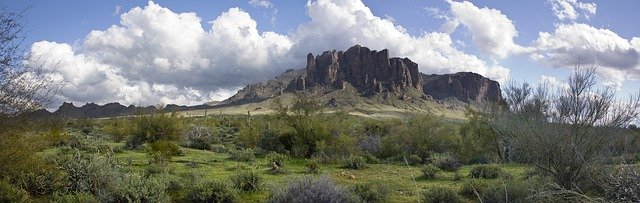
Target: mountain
[
  {"x": 371, "y": 73},
  {"x": 115, "y": 109}
]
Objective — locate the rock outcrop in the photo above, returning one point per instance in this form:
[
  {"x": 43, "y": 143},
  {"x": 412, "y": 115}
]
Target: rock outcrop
[
  {"x": 371, "y": 72},
  {"x": 464, "y": 86},
  {"x": 366, "y": 70}
]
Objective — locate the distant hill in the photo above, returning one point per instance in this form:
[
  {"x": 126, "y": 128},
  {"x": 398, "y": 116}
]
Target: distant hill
[{"x": 372, "y": 74}]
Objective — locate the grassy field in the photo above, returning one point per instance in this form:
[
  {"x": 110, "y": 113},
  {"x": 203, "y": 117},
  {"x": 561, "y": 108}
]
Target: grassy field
[{"x": 404, "y": 181}]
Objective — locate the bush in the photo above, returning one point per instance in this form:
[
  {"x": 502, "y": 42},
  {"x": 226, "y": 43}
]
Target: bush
[
  {"x": 439, "y": 194},
  {"x": 118, "y": 128},
  {"x": 485, "y": 171},
  {"x": 469, "y": 189},
  {"x": 219, "y": 148},
  {"x": 154, "y": 127},
  {"x": 413, "y": 160},
  {"x": 309, "y": 190},
  {"x": 623, "y": 184},
  {"x": 278, "y": 159},
  {"x": 337, "y": 148},
  {"x": 372, "y": 192},
  {"x": 447, "y": 163},
  {"x": 243, "y": 155},
  {"x": 75, "y": 197},
  {"x": 506, "y": 191},
  {"x": 355, "y": 162},
  {"x": 162, "y": 151},
  {"x": 270, "y": 140},
  {"x": 430, "y": 171},
  {"x": 210, "y": 191},
  {"x": 313, "y": 166},
  {"x": 247, "y": 180},
  {"x": 10, "y": 193},
  {"x": 199, "y": 138}
]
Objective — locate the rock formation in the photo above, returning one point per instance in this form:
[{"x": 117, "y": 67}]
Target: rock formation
[{"x": 464, "y": 86}]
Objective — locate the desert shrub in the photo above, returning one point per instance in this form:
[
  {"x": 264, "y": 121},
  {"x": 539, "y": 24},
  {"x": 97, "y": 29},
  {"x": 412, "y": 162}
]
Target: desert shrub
[
  {"x": 75, "y": 197},
  {"x": 485, "y": 171},
  {"x": 199, "y": 138},
  {"x": 154, "y": 127},
  {"x": 391, "y": 146},
  {"x": 210, "y": 191},
  {"x": 474, "y": 188},
  {"x": 446, "y": 162},
  {"x": 307, "y": 189},
  {"x": 439, "y": 194},
  {"x": 623, "y": 184},
  {"x": 162, "y": 151},
  {"x": 249, "y": 134},
  {"x": 371, "y": 159},
  {"x": 247, "y": 180},
  {"x": 243, "y": 154},
  {"x": 278, "y": 159},
  {"x": 370, "y": 143},
  {"x": 355, "y": 162},
  {"x": 430, "y": 171},
  {"x": 118, "y": 128},
  {"x": 10, "y": 193},
  {"x": 271, "y": 140},
  {"x": 313, "y": 166},
  {"x": 94, "y": 174},
  {"x": 339, "y": 148},
  {"x": 413, "y": 160},
  {"x": 219, "y": 148},
  {"x": 372, "y": 191},
  {"x": 135, "y": 188},
  {"x": 426, "y": 134},
  {"x": 507, "y": 191}
]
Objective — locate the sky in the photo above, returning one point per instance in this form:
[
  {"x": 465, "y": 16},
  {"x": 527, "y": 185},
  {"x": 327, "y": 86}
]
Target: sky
[{"x": 190, "y": 52}]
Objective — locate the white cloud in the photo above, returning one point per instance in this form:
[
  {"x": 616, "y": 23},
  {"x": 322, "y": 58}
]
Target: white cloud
[
  {"x": 553, "y": 82},
  {"x": 117, "y": 10},
  {"x": 573, "y": 44},
  {"x": 157, "y": 56},
  {"x": 261, "y": 3},
  {"x": 492, "y": 31},
  {"x": 568, "y": 9}
]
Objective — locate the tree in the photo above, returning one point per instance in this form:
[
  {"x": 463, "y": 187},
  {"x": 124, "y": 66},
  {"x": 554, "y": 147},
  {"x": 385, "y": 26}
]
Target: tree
[
  {"x": 23, "y": 87},
  {"x": 567, "y": 134}
]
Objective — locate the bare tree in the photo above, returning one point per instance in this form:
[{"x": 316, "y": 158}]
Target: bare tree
[
  {"x": 23, "y": 87},
  {"x": 566, "y": 134}
]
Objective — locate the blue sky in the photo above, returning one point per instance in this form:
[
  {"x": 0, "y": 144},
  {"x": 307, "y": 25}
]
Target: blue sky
[{"x": 189, "y": 52}]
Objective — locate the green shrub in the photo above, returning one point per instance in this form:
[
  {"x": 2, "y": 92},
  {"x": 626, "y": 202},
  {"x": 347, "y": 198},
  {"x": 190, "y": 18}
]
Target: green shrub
[
  {"x": 135, "y": 188},
  {"x": 414, "y": 160},
  {"x": 439, "y": 194},
  {"x": 307, "y": 189},
  {"x": 162, "y": 151},
  {"x": 75, "y": 197},
  {"x": 243, "y": 155},
  {"x": 623, "y": 184},
  {"x": 199, "y": 138},
  {"x": 155, "y": 127},
  {"x": 430, "y": 171},
  {"x": 210, "y": 191},
  {"x": 247, "y": 180},
  {"x": 278, "y": 159},
  {"x": 10, "y": 193},
  {"x": 507, "y": 191},
  {"x": 271, "y": 140},
  {"x": 313, "y": 166},
  {"x": 373, "y": 192},
  {"x": 355, "y": 162},
  {"x": 447, "y": 162},
  {"x": 469, "y": 189},
  {"x": 485, "y": 171},
  {"x": 219, "y": 148},
  {"x": 118, "y": 128},
  {"x": 337, "y": 148}
]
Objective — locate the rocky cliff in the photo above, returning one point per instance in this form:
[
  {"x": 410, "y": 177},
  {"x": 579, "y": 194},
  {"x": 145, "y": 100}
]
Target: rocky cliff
[{"x": 370, "y": 72}]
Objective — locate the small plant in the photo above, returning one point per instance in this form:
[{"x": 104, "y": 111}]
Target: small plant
[
  {"x": 278, "y": 159},
  {"x": 355, "y": 162},
  {"x": 485, "y": 171},
  {"x": 246, "y": 155},
  {"x": 10, "y": 193},
  {"x": 447, "y": 163},
  {"x": 162, "y": 151},
  {"x": 373, "y": 192},
  {"x": 154, "y": 127},
  {"x": 414, "y": 160},
  {"x": 76, "y": 197},
  {"x": 430, "y": 171},
  {"x": 313, "y": 166},
  {"x": 309, "y": 190},
  {"x": 247, "y": 180},
  {"x": 439, "y": 194},
  {"x": 210, "y": 191},
  {"x": 473, "y": 189}
]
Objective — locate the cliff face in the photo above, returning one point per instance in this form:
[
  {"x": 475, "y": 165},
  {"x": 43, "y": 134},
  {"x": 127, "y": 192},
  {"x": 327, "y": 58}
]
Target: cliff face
[
  {"x": 371, "y": 72},
  {"x": 464, "y": 86},
  {"x": 368, "y": 71}
]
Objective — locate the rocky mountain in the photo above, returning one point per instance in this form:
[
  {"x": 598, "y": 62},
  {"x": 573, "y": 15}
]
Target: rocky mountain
[
  {"x": 371, "y": 72},
  {"x": 92, "y": 110}
]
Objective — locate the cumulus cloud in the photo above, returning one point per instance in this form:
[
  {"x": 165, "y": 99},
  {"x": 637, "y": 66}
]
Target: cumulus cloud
[
  {"x": 155, "y": 55},
  {"x": 573, "y": 44},
  {"x": 569, "y": 9},
  {"x": 492, "y": 31}
]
